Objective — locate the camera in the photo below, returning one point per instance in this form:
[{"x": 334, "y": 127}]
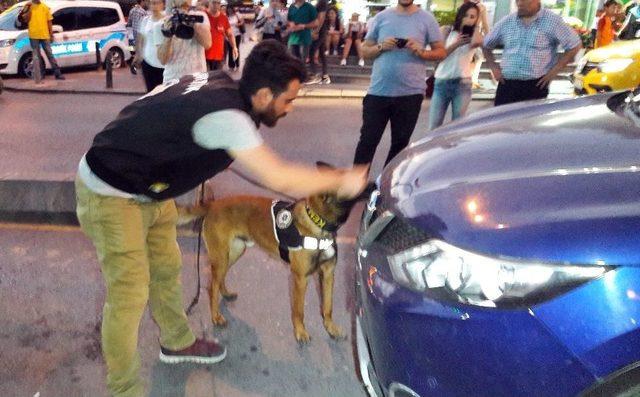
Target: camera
[
  {"x": 181, "y": 24},
  {"x": 400, "y": 43}
]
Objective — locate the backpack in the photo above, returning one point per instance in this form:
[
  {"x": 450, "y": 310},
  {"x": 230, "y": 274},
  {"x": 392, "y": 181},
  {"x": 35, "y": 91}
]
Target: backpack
[{"x": 21, "y": 22}]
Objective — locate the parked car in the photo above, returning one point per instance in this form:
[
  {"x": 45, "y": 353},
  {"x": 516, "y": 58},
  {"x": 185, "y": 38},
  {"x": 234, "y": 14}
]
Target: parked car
[
  {"x": 246, "y": 8},
  {"x": 500, "y": 256},
  {"x": 78, "y": 27},
  {"x": 611, "y": 68}
]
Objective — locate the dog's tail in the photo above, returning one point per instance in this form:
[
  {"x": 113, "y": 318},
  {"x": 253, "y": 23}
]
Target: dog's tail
[{"x": 188, "y": 214}]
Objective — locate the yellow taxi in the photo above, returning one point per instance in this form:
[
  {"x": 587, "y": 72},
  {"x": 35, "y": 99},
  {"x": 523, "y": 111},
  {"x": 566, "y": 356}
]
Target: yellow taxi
[{"x": 610, "y": 68}]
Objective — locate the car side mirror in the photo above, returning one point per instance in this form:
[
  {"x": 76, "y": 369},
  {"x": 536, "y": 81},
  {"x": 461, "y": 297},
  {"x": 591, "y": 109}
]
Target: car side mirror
[{"x": 57, "y": 29}]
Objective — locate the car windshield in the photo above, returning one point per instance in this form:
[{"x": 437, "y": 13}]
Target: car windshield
[{"x": 8, "y": 19}]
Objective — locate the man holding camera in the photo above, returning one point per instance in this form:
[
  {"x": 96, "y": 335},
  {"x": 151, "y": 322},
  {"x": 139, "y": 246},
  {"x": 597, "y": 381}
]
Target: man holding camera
[
  {"x": 396, "y": 42},
  {"x": 187, "y": 36}
]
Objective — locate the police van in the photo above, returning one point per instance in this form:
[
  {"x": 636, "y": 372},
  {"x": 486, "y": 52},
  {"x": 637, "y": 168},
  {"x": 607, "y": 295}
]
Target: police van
[{"x": 80, "y": 28}]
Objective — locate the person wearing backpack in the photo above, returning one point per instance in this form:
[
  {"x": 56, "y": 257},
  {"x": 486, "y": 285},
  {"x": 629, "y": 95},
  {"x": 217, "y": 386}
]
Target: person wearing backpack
[{"x": 37, "y": 16}]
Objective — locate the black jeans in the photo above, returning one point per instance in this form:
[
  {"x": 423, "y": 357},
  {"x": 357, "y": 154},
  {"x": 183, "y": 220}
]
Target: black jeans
[
  {"x": 512, "y": 91},
  {"x": 320, "y": 44},
  {"x": 214, "y": 65},
  {"x": 274, "y": 36},
  {"x": 233, "y": 62},
  {"x": 377, "y": 111},
  {"x": 152, "y": 76}
]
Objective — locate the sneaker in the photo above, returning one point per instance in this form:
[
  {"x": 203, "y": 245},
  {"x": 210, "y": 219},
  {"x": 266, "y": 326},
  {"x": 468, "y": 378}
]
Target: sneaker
[
  {"x": 361, "y": 62},
  {"x": 326, "y": 79},
  {"x": 60, "y": 77},
  {"x": 200, "y": 352},
  {"x": 343, "y": 62},
  {"x": 326, "y": 52},
  {"x": 315, "y": 79}
]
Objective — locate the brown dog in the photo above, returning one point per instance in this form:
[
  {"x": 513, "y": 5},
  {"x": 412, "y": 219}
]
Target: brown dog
[{"x": 232, "y": 224}]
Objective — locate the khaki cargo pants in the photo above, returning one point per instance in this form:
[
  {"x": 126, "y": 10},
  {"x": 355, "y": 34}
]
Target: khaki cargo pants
[{"x": 140, "y": 261}]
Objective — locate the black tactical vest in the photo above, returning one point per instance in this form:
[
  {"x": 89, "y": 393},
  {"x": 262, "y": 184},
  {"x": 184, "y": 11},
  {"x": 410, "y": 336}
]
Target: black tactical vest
[{"x": 149, "y": 148}]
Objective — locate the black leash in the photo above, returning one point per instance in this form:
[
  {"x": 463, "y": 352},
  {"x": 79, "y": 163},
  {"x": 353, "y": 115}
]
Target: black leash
[{"x": 199, "y": 223}]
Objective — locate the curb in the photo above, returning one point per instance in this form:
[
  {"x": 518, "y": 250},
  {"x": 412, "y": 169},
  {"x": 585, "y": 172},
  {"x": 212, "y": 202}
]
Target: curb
[{"x": 304, "y": 93}]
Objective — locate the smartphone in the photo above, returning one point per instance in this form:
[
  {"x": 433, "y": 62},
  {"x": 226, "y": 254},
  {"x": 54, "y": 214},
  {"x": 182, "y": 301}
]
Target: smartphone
[
  {"x": 468, "y": 30},
  {"x": 400, "y": 43}
]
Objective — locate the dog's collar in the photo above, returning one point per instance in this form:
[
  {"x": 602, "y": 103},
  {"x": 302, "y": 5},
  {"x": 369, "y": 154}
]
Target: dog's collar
[{"x": 320, "y": 221}]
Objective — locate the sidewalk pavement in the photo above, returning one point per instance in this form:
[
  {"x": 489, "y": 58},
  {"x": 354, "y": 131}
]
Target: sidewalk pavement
[{"x": 93, "y": 82}]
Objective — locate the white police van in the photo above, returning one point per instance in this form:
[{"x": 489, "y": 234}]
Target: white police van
[{"x": 77, "y": 27}]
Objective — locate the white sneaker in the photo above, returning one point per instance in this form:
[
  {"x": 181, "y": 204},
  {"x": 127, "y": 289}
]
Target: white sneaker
[
  {"x": 361, "y": 62},
  {"x": 326, "y": 52},
  {"x": 343, "y": 62},
  {"x": 326, "y": 79},
  {"x": 315, "y": 79}
]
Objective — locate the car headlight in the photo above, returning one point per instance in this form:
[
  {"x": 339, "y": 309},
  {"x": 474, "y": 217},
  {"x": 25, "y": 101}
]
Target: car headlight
[
  {"x": 475, "y": 279},
  {"x": 614, "y": 65},
  {"x": 7, "y": 43}
]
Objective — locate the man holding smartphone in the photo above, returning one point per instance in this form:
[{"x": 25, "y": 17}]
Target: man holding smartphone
[{"x": 397, "y": 42}]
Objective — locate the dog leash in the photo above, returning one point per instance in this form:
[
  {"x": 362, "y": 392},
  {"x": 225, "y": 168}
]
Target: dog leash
[{"x": 197, "y": 297}]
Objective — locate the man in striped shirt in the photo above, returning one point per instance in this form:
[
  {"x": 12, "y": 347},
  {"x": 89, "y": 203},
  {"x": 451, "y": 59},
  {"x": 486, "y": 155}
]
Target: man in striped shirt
[
  {"x": 531, "y": 37},
  {"x": 136, "y": 15}
]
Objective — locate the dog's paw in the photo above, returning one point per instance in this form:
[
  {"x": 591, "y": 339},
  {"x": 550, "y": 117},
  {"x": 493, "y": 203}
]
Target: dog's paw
[
  {"x": 219, "y": 320},
  {"x": 334, "y": 331},
  {"x": 230, "y": 296},
  {"x": 302, "y": 336}
]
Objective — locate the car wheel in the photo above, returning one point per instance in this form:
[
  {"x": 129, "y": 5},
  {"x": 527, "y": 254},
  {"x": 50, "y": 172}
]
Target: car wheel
[
  {"x": 25, "y": 66},
  {"x": 117, "y": 58}
]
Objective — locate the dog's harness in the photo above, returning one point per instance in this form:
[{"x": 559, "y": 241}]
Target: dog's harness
[{"x": 289, "y": 237}]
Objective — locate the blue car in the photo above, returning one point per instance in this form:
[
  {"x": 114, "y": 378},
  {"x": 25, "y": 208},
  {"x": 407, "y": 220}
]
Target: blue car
[{"x": 500, "y": 256}]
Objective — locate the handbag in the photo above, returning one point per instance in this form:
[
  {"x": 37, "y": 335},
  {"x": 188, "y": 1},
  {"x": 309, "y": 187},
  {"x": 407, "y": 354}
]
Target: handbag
[
  {"x": 431, "y": 82},
  {"x": 21, "y": 22}
]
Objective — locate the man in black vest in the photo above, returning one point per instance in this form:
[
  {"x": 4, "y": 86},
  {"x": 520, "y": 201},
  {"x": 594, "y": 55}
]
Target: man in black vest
[{"x": 165, "y": 144}]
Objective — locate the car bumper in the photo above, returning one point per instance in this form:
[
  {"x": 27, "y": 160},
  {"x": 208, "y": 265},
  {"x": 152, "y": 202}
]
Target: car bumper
[
  {"x": 596, "y": 82},
  {"x": 8, "y": 61},
  {"x": 436, "y": 348}
]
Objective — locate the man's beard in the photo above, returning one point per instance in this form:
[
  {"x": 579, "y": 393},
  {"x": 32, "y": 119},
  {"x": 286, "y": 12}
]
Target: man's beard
[
  {"x": 270, "y": 118},
  {"x": 405, "y": 5}
]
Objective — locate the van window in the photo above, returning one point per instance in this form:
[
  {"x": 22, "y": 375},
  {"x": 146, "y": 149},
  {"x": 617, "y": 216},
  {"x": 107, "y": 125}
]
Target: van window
[
  {"x": 66, "y": 18},
  {"x": 94, "y": 17}
]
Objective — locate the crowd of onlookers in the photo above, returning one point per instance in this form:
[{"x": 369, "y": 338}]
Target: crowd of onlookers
[{"x": 615, "y": 21}]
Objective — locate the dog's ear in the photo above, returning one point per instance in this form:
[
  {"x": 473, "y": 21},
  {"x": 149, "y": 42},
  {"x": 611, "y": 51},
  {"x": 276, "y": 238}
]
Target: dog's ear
[{"x": 322, "y": 164}]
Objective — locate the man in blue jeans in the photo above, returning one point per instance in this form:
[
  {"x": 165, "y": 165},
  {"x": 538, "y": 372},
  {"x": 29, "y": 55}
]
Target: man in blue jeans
[
  {"x": 397, "y": 43},
  {"x": 302, "y": 17},
  {"x": 39, "y": 19}
]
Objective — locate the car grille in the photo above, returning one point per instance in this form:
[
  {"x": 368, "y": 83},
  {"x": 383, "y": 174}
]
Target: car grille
[
  {"x": 400, "y": 235},
  {"x": 588, "y": 67}
]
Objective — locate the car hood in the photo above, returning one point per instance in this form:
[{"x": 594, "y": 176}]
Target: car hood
[
  {"x": 617, "y": 49},
  {"x": 555, "y": 181},
  {"x": 11, "y": 34}
]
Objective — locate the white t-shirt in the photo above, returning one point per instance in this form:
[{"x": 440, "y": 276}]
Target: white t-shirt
[
  {"x": 153, "y": 37},
  {"x": 187, "y": 57},
  {"x": 458, "y": 64},
  {"x": 229, "y": 129}
]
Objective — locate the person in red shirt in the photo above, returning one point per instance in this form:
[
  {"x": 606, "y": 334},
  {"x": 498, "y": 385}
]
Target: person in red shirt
[
  {"x": 220, "y": 28},
  {"x": 605, "y": 33}
]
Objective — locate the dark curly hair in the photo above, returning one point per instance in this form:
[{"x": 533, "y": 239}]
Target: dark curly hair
[{"x": 270, "y": 65}]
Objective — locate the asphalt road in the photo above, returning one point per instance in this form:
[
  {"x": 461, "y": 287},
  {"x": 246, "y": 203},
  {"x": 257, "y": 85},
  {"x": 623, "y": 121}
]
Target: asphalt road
[{"x": 51, "y": 288}]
